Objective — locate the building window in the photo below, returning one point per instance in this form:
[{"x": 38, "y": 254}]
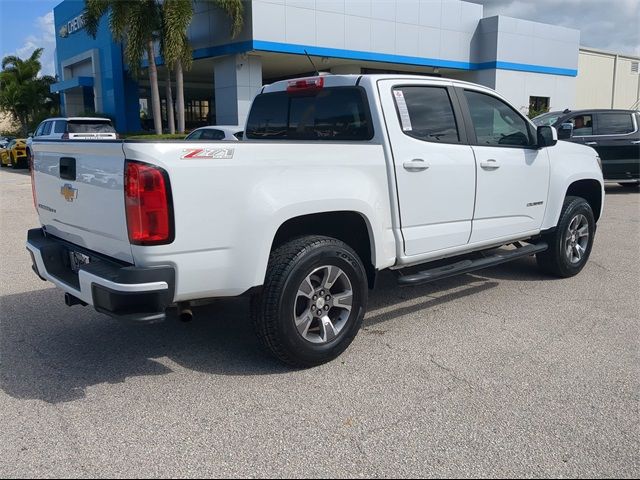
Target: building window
[
  {"x": 196, "y": 112},
  {"x": 538, "y": 106}
]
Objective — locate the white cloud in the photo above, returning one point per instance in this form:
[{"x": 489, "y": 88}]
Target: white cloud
[{"x": 45, "y": 38}]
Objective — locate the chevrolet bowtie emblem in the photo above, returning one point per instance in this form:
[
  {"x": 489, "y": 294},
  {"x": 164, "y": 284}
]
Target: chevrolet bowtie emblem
[{"x": 68, "y": 192}]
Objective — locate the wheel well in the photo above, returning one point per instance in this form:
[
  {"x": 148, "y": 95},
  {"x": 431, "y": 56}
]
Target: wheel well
[
  {"x": 591, "y": 191},
  {"x": 349, "y": 227}
]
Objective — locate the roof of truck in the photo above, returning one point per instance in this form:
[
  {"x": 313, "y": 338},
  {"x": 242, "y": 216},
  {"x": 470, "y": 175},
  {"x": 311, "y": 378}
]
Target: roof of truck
[
  {"x": 331, "y": 80},
  {"x": 80, "y": 119}
]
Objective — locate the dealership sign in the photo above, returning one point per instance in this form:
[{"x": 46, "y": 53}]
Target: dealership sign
[{"x": 72, "y": 26}]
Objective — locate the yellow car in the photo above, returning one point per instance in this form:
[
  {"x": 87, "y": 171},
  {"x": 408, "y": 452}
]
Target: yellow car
[{"x": 15, "y": 154}]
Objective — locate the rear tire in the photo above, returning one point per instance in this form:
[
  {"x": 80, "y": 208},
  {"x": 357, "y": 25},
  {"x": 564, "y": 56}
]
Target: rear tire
[
  {"x": 571, "y": 242},
  {"x": 313, "y": 301}
]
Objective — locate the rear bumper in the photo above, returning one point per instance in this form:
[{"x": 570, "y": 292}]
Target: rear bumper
[{"x": 116, "y": 289}]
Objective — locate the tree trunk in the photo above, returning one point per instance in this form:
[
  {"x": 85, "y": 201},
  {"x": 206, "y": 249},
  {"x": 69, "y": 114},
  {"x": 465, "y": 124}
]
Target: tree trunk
[
  {"x": 170, "y": 118},
  {"x": 180, "y": 96},
  {"x": 155, "y": 92}
]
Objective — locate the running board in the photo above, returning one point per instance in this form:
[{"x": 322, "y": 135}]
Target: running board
[{"x": 466, "y": 266}]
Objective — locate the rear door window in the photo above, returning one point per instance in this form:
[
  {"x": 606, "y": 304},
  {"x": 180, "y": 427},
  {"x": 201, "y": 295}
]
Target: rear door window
[
  {"x": 330, "y": 114},
  {"x": 60, "y": 126},
  {"x": 430, "y": 113},
  {"x": 615, "y": 124},
  {"x": 212, "y": 134}
]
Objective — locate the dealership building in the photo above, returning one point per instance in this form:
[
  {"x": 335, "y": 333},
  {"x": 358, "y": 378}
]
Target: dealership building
[{"x": 532, "y": 64}]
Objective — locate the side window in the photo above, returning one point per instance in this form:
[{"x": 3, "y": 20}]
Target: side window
[
  {"x": 582, "y": 125},
  {"x": 615, "y": 124},
  {"x": 496, "y": 123},
  {"x": 46, "y": 130},
  {"x": 194, "y": 135},
  {"x": 211, "y": 134},
  {"x": 426, "y": 113},
  {"x": 39, "y": 129},
  {"x": 59, "y": 126}
]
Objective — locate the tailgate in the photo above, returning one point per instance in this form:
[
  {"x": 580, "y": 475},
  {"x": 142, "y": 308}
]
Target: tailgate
[{"x": 79, "y": 189}]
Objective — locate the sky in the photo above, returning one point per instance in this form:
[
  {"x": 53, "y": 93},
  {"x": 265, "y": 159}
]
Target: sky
[{"x": 606, "y": 24}]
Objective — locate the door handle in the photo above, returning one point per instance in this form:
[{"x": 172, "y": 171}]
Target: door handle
[
  {"x": 490, "y": 164},
  {"x": 591, "y": 144},
  {"x": 68, "y": 168},
  {"x": 415, "y": 165}
]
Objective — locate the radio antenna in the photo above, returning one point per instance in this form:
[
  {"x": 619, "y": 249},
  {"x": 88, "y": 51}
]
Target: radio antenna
[{"x": 313, "y": 64}]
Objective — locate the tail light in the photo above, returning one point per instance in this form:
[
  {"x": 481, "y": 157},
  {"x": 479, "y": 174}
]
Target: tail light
[
  {"x": 305, "y": 85},
  {"x": 148, "y": 204},
  {"x": 32, "y": 161}
]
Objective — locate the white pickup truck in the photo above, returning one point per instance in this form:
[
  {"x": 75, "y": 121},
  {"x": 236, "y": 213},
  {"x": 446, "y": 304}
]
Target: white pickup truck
[{"x": 336, "y": 179}]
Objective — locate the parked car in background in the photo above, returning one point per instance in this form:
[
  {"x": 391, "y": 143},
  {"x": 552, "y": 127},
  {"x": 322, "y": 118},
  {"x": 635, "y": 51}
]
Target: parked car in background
[
  {"x": 217, "y": 132},
  {"x": 15, "y": 155},
  {"x": 615, "y": 135},
  {"x": 73, "y": 128}
]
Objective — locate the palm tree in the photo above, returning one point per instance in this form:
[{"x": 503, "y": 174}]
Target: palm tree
[
  {"x": 176, "y": 17},
  {"x": 137, "y": 23},
  {"x": 22, "y": 93}
]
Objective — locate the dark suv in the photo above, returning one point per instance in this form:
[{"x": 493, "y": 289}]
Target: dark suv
[{"x": 615, "y": 134}]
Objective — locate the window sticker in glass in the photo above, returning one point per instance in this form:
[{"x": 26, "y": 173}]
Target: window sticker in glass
[
  {"x": 430, "y": 113},
  {"x": 405, "y": 118}
]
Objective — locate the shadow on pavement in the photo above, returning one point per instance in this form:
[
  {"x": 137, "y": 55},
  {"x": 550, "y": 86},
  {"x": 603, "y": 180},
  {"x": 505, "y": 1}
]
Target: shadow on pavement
[
  {"x": 54, "y": 353},
  {"x": 19, "y": 171},
  {"x": 615, "y": 189}
]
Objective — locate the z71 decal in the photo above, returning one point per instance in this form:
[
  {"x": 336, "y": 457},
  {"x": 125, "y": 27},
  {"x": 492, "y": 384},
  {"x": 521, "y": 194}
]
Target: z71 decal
[{"x": 208, "y": 153}]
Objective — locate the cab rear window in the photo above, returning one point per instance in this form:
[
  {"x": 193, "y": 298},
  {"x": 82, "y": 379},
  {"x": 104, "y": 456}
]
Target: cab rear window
[
  {"x": 330, "y": 114},
  {"x": 89, "y": 127}
]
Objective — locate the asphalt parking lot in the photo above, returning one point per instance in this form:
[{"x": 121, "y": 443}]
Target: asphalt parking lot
[{"x": 500, "y": 373}]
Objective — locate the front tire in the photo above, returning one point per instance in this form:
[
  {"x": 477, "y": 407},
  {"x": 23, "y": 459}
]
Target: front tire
[
  {"x": 313, "y": 301},
  {"x": 571, "y": 242}
]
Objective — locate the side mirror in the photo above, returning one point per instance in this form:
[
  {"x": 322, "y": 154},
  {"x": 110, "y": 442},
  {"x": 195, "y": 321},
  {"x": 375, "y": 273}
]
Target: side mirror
[
  {"x": 547, "y": 136},
  {"x": 565, "y": 131},
  {"x": 30, "y": 134}
]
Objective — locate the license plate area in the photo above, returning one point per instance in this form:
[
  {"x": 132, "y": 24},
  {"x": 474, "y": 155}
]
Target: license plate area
[{"x": 77, "y": 260}]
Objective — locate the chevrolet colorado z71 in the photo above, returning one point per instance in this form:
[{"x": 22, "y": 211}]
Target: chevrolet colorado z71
[{"x": 337, "y": 178}]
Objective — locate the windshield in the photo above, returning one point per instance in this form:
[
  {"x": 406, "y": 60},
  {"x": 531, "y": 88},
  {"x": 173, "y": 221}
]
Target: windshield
[
  {"x": 90, "y": 127},
  {"x": 546, "y": 119}
]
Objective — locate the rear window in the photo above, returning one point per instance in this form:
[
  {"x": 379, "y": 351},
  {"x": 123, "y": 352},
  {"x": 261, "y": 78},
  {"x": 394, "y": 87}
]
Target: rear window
[
  {"x": 336, "y": 113},
  {"x": 615, "y": 124},
  {"x": 81, "y": 126}
]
